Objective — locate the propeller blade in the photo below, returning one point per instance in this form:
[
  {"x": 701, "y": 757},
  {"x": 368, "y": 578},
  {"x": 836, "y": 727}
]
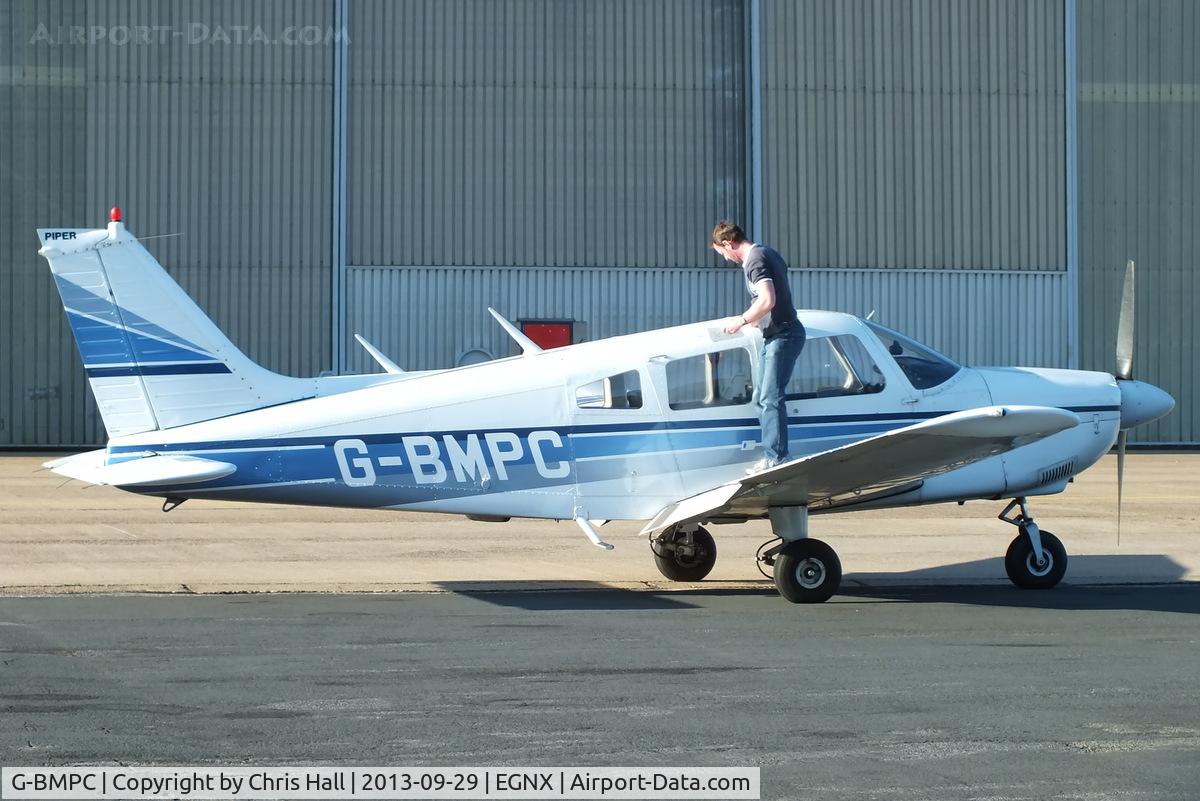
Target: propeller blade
[
  {"x": 1121, "y": 437},
  {"x": 1125, "y": 328}
]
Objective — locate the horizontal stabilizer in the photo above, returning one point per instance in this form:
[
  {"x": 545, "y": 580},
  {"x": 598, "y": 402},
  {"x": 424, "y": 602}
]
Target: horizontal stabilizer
[{"x": 149, "y": 471}]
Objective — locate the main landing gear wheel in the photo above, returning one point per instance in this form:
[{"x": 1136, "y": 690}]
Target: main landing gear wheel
[
  {"x": 1026, "y": 571},
  {"x": 685, "y": 556},
  {"x": 807, "y": 571}
]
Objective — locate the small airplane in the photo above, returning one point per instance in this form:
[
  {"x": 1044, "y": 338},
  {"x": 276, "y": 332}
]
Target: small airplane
[{"x": 656, "y": 426}]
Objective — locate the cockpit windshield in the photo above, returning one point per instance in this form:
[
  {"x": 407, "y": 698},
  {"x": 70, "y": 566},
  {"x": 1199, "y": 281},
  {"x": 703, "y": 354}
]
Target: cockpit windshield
[{"x": 924, "y": 367}]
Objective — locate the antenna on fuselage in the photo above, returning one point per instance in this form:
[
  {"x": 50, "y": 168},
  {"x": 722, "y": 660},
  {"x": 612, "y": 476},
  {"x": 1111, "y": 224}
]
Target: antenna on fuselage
[
  {"x": 387, "y": 364},
  {"x": 528, "y": 346}
]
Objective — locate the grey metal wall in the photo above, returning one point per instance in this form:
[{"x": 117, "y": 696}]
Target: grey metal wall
[
  {"x": 916, "y": 135},
  {"x": 1139, "y": 188},
  {"x": 923, "y": 134},
  {"x": 567, "y": 159},
  {"x": 971, "y": 307},
  {"x": 544, "y": 133},
  {"x": 43, "y": 392},
  {"x": 232, "y": 146},
  {"x": 228, "y": 144}
]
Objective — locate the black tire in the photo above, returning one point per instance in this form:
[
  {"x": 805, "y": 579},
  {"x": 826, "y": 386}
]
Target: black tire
[
  {"x": 1023, "y": 569},
  {"x": 807, "y": 572},
  {"x": 679, "y": 561}
]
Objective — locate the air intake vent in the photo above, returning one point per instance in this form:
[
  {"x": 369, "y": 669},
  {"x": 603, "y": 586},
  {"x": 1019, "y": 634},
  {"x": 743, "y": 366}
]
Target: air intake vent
[{"x": 1055, "y": 473}]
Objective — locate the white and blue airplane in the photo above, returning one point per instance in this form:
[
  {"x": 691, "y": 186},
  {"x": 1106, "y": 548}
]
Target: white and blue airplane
[{"x": 656, "y": 426}]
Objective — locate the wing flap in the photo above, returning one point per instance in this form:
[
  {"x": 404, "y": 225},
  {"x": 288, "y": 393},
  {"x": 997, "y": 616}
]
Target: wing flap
[
  {"x": 693, "y": 508},
  {"x": 877, "y": 464}
]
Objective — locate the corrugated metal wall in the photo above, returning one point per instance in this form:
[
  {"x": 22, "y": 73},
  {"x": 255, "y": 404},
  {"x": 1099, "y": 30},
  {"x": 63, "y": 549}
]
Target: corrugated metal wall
[
  {"x": 199, "y": 130},
  {"x": 922, "y": 134},
  {"x": 971, "y": 307},
  {"x": 1139, "y": 117},
  {"x": 230, "y": 144},
  {"x": 544, "y": 133},
  {"x": 567, "y": 159},
  {"x": 43, "y": 392},
  {"x": 892, "y": 139}
]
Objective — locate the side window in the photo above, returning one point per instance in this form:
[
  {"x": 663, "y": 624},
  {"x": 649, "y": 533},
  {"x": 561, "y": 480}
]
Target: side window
[
  {"x": 710, "y": 379},
  {"x": 622, "y": 391},
  {"x": 923, "y": 366},
  {"x": 831, "y": 367}
]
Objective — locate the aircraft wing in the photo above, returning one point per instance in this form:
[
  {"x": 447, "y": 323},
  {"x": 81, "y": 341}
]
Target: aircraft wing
[{"x": 891, "y": 462}]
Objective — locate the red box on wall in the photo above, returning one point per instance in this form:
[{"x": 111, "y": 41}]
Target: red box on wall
[{"x": 548, "y": 335}]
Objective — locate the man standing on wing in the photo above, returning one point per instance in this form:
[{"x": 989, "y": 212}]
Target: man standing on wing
[{"x": 773, "y": 312}]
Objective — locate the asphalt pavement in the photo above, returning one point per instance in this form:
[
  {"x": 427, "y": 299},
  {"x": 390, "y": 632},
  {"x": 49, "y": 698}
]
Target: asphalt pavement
[
  {"x": 62, "y": 536},
  {"x": 237, "y": 634},
  {"x": 890, "y": 693}
]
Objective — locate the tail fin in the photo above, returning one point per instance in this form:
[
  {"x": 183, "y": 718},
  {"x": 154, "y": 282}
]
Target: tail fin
[{"x": 153, "y": 358}]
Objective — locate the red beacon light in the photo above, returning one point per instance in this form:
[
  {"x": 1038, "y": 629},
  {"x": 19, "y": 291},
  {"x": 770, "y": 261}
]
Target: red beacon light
[{"x": 115, "y": 214}]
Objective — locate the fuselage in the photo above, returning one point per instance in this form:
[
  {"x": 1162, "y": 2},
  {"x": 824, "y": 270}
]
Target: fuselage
[{"x": 621, "y": 427}]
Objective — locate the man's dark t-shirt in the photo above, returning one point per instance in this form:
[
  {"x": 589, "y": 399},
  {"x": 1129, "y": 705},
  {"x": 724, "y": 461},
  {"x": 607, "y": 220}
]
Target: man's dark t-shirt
[{"x": 763, "y": 264}]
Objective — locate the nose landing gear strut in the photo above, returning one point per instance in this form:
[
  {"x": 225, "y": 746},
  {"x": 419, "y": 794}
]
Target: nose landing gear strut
[{"x": 1036, "y": 559}]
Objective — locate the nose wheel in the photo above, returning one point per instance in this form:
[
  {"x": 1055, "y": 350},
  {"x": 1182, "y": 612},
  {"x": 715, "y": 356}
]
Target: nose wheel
[
  {"x": 1029, "y": 572},
  {"x": 1036, "y": 559}
]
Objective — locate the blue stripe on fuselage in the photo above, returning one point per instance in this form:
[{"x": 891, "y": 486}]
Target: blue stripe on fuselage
[
  {"x": 657, "y": 427},
  {"x": 387, "y": 469},
  {"x": 649, "y": 428},
  {"x": 300, "y": 460}
]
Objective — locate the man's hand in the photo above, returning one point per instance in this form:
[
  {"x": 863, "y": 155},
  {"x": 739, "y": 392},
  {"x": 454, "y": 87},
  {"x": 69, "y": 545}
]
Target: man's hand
[{"x": 764, "y": 301}]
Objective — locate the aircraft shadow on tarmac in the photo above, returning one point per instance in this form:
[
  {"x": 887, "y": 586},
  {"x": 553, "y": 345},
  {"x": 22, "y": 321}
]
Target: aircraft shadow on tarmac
[
  {"x": 1184, "y": 598},
  {"x": 1150, "y": 582},
  {"x": 1147, "y": 582},
  {"x": 562, "y": 596},
  {"x": 1099, "y": 569}
]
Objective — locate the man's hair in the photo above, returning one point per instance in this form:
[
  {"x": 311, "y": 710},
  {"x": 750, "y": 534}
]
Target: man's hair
[{"x": 726, "y": 231}]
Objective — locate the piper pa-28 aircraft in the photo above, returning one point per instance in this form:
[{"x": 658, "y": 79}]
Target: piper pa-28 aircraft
[{"x": 657, "y": 426}]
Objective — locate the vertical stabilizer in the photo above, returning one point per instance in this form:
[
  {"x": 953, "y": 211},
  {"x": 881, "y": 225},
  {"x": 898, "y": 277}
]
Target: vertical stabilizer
[{"x": 153, "y": 358}]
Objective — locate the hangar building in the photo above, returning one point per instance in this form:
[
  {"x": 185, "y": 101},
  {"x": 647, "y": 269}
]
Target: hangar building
[{"x": 976, "y": 172}]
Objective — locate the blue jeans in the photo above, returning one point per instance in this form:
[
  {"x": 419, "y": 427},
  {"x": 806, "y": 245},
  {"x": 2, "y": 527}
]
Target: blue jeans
[{"x": 776, "y": 361}]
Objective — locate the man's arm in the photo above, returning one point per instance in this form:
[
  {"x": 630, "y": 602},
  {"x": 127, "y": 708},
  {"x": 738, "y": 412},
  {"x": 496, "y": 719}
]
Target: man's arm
[{"x": 762, "y": 305}]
